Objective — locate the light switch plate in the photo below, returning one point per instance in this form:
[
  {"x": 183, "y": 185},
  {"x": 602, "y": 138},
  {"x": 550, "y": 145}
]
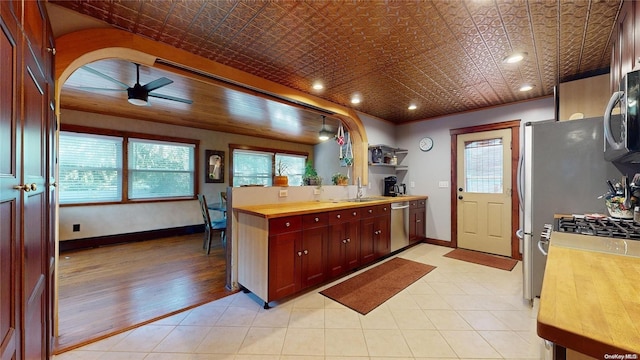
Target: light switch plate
[
  {"x": 443, "y": 184},
  {"x": 283, "y": 193},
  {"x": 412, "y": 184}
]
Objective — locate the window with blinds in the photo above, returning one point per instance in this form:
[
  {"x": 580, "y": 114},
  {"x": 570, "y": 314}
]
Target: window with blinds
[
  {"x": 159, "y": 169},
  {"x": 93, "y": 168},
  {"x": 483, "y": 166},
  {"x": 90, "y": 168},
  {"x": 255, "y": 167}
]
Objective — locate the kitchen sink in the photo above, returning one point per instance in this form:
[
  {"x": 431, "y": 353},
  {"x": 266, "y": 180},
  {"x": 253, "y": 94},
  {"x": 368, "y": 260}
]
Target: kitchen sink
[{"x": 364, "y": 199}]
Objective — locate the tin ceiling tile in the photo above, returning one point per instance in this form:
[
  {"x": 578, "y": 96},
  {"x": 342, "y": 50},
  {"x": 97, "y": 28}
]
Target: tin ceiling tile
[{"x": 447, "y": 55}]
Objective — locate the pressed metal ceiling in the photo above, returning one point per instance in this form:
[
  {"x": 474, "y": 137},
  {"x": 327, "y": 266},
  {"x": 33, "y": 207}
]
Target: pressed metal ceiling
[{"x": 444, "y": 56}]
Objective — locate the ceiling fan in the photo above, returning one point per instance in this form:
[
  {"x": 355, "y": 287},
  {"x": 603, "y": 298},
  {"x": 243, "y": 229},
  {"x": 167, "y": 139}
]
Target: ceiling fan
[{"x": 137, "y": 94}]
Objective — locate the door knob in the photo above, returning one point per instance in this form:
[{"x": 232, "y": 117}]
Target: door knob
[
  {"x": 25, "y": 187},
  {"x": 460, "y": 197}
]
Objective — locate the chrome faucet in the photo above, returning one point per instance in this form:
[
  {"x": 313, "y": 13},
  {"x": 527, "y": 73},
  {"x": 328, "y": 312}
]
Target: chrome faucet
[{"x": 359, "y": 192}]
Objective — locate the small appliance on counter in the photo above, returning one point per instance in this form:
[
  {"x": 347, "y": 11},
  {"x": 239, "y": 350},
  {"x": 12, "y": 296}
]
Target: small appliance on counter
[{"x": 390, "y": 186}]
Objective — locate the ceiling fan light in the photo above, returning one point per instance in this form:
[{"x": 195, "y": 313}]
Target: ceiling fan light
[{"x": 137, "y": 96}]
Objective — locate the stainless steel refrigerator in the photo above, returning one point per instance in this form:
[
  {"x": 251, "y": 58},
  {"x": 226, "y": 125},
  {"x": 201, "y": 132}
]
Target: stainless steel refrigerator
[{"x": 562, "y": 170}]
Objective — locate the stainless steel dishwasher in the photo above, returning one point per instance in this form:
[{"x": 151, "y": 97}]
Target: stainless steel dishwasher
[{"x": 399, "y": 225}]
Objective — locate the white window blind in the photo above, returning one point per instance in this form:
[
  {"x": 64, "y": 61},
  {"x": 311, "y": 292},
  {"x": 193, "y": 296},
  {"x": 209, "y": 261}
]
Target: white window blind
[
  {"x": 295, "y": 167},
  {"x": 160, "y": 169},
  {"x": 252, "y": 167},
  {"x": 90, "y": 168}
]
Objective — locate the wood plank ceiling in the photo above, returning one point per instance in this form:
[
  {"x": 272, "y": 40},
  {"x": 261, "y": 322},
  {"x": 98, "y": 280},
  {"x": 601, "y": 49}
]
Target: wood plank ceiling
[{"x": 443, "y": 56}]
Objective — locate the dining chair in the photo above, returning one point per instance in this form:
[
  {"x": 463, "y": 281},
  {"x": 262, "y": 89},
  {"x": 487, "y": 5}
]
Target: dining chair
[{"x": 210, "y": 226}]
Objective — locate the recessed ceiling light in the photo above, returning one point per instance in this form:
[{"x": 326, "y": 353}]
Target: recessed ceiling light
[
  {"x": 317, "y": 85},
  {"x": 412, "y": 107},
  {"x": 514, "y": 58},
  {"x": 356, "y": 99},
  {"x": 526, "y": 87}
]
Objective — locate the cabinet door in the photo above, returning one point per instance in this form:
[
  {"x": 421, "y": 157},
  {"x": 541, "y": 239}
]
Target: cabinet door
[
  {"x": 383, "y": 237},
  {"x": 368, "y": 234},
  {"x": 336, "y": 249},
  {"x": 416, "y": 225},
  {"x": 626, "y": 35},
  {"x": 284, "y": 264},
  {"x": 314, "y": 255},
  {"x": 352, "y": 246}
]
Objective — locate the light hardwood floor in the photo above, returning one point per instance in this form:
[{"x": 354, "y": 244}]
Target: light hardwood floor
[{"x": 108, "y": 290}]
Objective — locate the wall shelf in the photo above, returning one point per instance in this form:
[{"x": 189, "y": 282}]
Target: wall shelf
[{"x": 386, "y": 149}]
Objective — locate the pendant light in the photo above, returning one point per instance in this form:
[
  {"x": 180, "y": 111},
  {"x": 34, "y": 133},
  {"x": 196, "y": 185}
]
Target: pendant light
[{"x": 324, "y": 134}]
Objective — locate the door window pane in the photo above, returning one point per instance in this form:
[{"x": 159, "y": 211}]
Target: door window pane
[{"x": 483, "y": 166}]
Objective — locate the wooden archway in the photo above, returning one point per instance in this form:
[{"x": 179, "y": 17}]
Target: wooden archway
[{"x": 78, "y": 48}]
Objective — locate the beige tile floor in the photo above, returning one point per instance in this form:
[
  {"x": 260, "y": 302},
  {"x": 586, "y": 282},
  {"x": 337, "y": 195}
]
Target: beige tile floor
[{"x": 458, "y": 311}]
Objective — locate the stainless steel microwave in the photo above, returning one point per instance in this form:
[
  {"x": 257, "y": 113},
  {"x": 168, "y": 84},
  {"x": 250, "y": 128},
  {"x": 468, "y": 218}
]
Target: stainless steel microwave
[{"x": 622, "y": 123}]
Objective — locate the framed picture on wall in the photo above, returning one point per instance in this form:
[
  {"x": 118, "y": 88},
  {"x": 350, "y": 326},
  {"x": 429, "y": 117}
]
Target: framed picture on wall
[{"x": 214, "y": 166}]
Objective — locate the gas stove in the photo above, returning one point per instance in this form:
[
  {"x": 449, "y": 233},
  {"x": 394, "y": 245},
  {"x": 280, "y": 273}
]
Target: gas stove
[{"x": 605, "y": 227}]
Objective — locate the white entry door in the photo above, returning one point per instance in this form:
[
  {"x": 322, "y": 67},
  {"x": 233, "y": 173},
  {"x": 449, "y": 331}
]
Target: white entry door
[{"x": 484, "y": 191}]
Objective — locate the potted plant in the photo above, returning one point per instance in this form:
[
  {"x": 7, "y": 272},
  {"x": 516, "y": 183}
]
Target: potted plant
[
  {"x": 310, "y": 176},
  {"x": 281, "y": 179},
  {"x": 340, "y": 179}
]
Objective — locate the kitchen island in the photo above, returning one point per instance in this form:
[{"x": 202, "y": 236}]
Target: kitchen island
[
  {"x": 284, "y": 249},
  {"x": 590, "y": 300}
]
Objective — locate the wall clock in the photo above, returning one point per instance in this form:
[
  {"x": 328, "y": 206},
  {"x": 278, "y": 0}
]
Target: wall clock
[{"x": 426, "y": 143}]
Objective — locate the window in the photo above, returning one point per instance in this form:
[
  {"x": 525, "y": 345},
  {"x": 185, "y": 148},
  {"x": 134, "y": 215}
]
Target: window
[
  {"x": 483, "y": 166},
  {"x": 254, "y": 166},
  {"x": 90, "y": 168},
  {"x": 160, "y": 169},
  {"x": 93, "y": 168}
]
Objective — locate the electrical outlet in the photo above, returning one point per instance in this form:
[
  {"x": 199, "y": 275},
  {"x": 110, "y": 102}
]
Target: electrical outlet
[
  {"x": 283, "y": 193},
  {"x": 443, "y": 184},
  {"x": 316, "y": 191},
  {"x": 76, "y": 227}
]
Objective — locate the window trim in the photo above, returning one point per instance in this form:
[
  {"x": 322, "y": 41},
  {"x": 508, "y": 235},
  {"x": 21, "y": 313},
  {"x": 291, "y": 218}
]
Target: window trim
[
  {"x": 125, "y": 162},
  {"x": 273, "y": 152}
]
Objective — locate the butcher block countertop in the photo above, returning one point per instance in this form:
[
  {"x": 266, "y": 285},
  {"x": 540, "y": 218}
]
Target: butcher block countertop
[
  {"x": 270, "y": 211},
  {"x": 590, "y": 299}
]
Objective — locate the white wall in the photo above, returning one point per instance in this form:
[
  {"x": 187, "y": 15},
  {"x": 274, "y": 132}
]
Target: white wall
[
  {"x": 103, "y": 220},
  {"x": 427, "y": 169}
]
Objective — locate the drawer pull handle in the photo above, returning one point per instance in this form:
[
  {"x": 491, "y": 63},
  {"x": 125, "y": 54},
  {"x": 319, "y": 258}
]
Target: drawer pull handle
[
  {"x": 354, "y": 213},
  {"x": 338, "y": 216},
  {"x": 299, "y": 253},
  {"x": 316, "y": 219},
  {"x": 306, "y": 252},
  {"x": 370, "y": 211},
  {"x": 348, "y": 240},
  {"x": 344, "y": 241},
  {"x": 287, "y": 224}
]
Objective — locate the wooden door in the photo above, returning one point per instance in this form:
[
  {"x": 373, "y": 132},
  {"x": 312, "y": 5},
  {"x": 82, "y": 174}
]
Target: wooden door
[
  {"x": 10, "y": 199},
  {"x": 368, "y": 233},
  {"x": 484, "y": 191},
  {"x": 383, "y": 237},
  {"x": 284, "y": 264},
  {"x": 314, "y": 254},
  {"x": 352, "y": 247},
  {"x": 35, "y": 116}
]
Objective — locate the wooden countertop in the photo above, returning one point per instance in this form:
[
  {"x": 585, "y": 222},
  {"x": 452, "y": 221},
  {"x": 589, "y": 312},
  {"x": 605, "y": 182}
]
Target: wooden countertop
[
  {"x": 590, "y": 300},
  {"x": 270, "y": 211}
]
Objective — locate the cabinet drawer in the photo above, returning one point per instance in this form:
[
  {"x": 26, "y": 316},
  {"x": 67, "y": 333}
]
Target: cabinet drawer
[
  {"x": 285, "y": 224},
  {"x": 383, "y": 209},
  {"x": 415, "y": 204},
  {"x": 369, "y": 211},
  {"x": 341, "y": 216},
  {"x": 315, "y": 220}
]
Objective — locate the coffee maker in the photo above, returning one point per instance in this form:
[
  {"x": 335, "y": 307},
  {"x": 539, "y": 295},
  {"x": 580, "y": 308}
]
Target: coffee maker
[{"x": 390, "y": 186}]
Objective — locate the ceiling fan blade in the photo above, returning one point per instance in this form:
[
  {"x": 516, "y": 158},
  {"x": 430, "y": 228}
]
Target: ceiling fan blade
[
  {"x": 95, "y": 88},
  {"x": 158, "y": 83},
  {"x": 105, "y": 76},
  {"x": 173, "y": 98}
]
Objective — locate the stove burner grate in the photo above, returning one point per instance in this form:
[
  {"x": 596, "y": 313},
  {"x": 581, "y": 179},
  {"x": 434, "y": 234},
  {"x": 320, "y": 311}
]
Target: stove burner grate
[{"x": 606, "y": 227}]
